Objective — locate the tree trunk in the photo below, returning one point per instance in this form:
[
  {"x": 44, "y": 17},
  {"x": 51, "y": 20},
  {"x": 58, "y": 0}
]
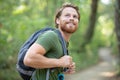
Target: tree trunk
[
  {"x": 92, "y": 20},
  {"x": 117, "y": 28}
]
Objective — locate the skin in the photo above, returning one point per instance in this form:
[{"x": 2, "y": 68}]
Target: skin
[{"x": 67, "y": 24}]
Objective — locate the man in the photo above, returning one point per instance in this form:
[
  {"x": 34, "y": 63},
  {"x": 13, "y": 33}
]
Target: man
[{"x": 47, "y": 51}]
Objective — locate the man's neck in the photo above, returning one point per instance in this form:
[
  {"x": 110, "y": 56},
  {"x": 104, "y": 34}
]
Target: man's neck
[{"x": 65, "y": 35}]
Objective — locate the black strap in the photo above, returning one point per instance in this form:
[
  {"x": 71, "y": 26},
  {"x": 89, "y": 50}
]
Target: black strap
[
  {"x": 64, "y": 47},
  {"x": 65, "y": 50}
]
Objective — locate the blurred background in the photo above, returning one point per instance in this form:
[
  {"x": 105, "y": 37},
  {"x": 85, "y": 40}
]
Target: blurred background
[{"x": 99, "y": 28}]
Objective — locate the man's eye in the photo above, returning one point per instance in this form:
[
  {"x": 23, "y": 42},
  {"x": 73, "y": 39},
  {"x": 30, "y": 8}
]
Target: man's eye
[
  {"x": 75, "y": 16},
  {"x": 67, "y": 15}
]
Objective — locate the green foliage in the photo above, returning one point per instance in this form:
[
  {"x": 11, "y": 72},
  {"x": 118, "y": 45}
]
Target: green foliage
[
  {"x": 20, "y": 18},
  {"x": 84, "y": 59}
]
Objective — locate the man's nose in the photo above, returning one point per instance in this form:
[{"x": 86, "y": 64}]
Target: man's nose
[{"x": 71, "y": 18}]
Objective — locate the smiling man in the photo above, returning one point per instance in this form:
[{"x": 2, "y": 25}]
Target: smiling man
[{"x": 47, "y": 51}]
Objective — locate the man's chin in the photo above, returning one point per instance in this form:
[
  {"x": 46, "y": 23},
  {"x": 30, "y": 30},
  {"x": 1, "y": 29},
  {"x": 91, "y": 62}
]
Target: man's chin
[{"x": 69, "y": 31}]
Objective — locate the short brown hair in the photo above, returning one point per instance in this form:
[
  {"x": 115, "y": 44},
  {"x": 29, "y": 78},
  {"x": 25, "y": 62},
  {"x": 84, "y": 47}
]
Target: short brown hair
[{"x": 59, "y": 12}]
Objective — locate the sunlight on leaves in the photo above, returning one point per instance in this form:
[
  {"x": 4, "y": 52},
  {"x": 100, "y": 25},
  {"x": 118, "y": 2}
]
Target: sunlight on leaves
[
  {"x": 43, "y": 5},
  {"x": 9, "y": 38},
  {"x": 105, "y": 1},
  {"x": 106, "y": 26},
  {"x": 3, "y": 31},
  {"x": 20, "y": 9},
  {"x": 8, "y": 35}
]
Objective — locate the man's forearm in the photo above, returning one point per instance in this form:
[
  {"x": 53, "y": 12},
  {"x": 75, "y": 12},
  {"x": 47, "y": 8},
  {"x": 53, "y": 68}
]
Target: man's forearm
[{"x": 40, "y": 61}]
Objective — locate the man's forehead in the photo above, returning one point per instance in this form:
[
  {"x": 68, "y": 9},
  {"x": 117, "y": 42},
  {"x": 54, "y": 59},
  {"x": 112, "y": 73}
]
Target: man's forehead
[{"x": 69, "y": 10}]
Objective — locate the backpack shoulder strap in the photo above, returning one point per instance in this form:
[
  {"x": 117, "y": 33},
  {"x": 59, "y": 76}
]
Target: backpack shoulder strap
[
  {"x": 65, "y": 51},
  {"x": 64, "y": 47}
]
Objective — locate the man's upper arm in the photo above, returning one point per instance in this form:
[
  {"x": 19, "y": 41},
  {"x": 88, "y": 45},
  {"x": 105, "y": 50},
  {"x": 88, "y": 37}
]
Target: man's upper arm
[
  {"x": 47, "y": 40},
  {"x": 37, "y": 48}
]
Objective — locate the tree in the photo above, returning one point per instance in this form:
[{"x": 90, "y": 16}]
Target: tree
[
  {"x": 117, "y": 29},
  {"x": 91, "y": 26}
]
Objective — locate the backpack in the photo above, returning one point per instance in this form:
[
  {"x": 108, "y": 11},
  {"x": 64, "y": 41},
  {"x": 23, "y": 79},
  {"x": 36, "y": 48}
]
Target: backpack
[{"x": 26, "y": 71}]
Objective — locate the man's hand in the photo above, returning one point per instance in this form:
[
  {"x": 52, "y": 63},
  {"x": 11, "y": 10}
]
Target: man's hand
[
  {"x": 71, "y": 69},
  {"x": 65, "y": 61}
]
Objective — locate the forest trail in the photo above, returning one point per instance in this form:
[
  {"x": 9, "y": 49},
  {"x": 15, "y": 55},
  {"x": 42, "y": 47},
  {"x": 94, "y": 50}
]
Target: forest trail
[{"x": 102, "y": 71}]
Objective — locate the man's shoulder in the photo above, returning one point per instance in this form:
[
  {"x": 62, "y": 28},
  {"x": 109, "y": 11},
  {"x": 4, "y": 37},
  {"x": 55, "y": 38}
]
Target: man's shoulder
[{"x": 49, "y": 35}]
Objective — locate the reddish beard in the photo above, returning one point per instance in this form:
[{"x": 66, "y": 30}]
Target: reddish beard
[{"x": 69, "y": 28}]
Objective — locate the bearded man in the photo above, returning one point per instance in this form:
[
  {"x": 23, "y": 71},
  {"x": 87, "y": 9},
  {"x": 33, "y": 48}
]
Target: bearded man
[{"x": 47, "y": 51}]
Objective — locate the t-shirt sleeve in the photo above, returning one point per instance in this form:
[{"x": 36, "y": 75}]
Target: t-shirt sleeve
[{"x": 47, "y": 40}]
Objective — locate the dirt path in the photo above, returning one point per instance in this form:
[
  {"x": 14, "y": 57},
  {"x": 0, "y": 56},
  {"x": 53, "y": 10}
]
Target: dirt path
[{"x": 102, "y": 71}]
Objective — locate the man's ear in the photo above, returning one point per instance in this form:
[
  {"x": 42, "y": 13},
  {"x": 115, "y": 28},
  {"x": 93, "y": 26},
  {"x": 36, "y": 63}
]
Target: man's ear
[{"x": 57, "y": 21}]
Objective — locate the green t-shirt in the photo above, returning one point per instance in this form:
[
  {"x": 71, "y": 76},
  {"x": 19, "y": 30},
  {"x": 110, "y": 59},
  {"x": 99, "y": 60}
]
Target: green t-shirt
[{"x": 50, "y": 41}]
